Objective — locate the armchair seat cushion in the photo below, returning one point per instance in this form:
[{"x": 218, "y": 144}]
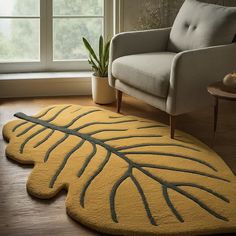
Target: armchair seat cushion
[{"x": 149, "y": 72}]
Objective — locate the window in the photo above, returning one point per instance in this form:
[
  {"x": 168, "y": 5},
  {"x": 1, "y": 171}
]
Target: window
[
  {"x": 19, "y": 30},
  {"x": 46, "y": 35}
]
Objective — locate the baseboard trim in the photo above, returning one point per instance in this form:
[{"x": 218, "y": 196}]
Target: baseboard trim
[{"x": 44, "y": 84}]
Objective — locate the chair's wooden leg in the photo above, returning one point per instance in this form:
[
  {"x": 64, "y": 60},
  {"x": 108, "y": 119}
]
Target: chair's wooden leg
[
  {"x": 119, "y": 100},
  {"x": 172, "y": 126}
]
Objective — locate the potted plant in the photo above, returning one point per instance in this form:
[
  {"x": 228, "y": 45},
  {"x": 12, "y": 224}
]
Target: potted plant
[{"x": 102, "y": 93}]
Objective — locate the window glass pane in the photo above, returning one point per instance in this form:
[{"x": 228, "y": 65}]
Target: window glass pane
[
  {"x": 19, "y": 40},
  {"x": 19, "y": 7},
  {"x": 68, "y": 33},
  {"x": 78, "y": 7}
]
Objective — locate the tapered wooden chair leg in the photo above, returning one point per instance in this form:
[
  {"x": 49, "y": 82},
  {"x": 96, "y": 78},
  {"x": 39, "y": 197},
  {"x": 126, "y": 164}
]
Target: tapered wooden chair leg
[
  {"x": 172, "y": 126},
  {"x": 119, "y": 100}
]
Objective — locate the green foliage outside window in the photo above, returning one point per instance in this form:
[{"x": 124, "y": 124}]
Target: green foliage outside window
[{"x": 20, "y": 38}]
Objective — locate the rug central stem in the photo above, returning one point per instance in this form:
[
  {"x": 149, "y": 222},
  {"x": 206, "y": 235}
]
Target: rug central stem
[{"x": 65, "y": 130}]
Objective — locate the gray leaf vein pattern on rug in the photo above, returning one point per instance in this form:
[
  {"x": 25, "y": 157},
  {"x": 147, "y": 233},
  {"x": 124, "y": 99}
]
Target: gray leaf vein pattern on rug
[{"x": 127, "y": 153}]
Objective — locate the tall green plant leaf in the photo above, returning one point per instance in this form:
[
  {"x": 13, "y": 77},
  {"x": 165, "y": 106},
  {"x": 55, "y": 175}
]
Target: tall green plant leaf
[
  {"x": 90, "y": 50},
  {"x": 106, "y": 52},
  {"x": 101, "y": 51},
  {"x": 97, "y": 69}
]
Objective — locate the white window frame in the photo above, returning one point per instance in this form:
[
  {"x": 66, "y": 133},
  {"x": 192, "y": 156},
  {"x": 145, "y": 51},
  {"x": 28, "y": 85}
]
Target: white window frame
[{"x": 46, "y": 62}]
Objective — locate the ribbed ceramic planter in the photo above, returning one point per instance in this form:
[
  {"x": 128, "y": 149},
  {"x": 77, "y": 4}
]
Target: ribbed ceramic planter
[{"x": 101, "y": 91}]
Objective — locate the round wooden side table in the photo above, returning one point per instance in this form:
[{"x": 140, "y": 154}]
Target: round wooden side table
[{"x": 219, "y": 91}]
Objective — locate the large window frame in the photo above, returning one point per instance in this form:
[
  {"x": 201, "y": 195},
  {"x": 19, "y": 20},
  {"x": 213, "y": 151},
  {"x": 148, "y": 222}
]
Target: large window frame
[{"x": 46, "y": 62}]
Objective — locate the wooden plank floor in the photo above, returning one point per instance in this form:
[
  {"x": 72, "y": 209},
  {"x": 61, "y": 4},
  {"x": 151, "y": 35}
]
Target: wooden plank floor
[{"x": 23, "y": 215}]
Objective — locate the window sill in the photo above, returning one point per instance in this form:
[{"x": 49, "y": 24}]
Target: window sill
[
  {"x": 46, "y": 75},
  {"x": 45, "y": 84}
]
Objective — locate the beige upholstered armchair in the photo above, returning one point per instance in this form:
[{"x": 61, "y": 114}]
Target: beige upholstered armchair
[{"x": 170, "y": 68}]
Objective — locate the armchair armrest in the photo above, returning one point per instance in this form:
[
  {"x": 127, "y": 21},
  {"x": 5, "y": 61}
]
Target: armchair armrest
[
  {"x": 192, "y": 71},
  {"x": 137, "y": 42}
]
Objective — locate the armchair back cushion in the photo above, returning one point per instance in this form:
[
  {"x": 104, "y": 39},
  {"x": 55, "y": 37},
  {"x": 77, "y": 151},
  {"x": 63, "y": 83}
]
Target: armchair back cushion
[{"x": 200, "y": 25}]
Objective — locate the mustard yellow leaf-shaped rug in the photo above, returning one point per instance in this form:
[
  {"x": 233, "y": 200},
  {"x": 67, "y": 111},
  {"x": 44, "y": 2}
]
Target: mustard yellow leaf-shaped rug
[{"x": 124, "y": 175}]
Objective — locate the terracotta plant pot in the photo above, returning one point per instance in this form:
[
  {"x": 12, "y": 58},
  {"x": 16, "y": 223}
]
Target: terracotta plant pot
[
  {"x": 230, "y": 82},
  {"x": 102, "y": 93}
]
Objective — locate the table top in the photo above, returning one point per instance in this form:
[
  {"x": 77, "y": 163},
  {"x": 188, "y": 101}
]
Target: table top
[{"x": 218, "y": 89}]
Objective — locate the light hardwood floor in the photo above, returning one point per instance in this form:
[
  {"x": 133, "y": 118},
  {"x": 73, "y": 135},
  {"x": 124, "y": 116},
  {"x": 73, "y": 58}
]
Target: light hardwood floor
[{"x": 23, "y": 215}]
